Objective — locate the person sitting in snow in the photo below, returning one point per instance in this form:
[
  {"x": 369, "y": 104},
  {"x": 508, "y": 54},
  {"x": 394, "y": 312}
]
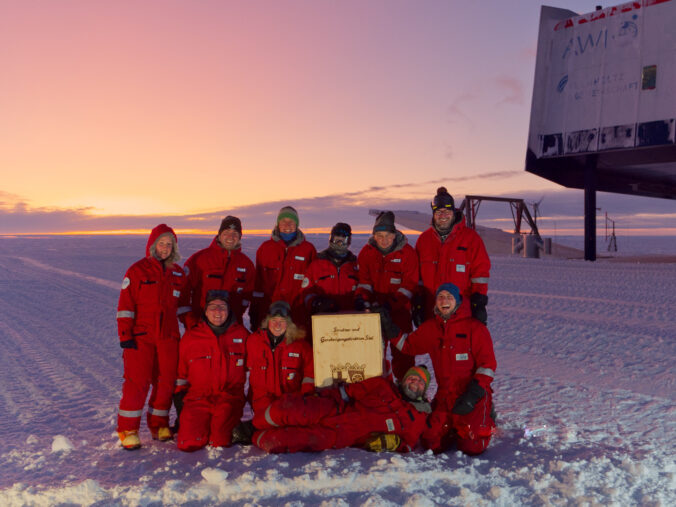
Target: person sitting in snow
[
  {"x": 373, "y": 414},
  {"x": 211, "y": 376},
  {"x": 461, "y": 350},
  {"x": 279, "y": 360}
]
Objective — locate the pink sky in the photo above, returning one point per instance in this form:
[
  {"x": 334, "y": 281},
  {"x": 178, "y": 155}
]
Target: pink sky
[{"x": 179, "y": 108}]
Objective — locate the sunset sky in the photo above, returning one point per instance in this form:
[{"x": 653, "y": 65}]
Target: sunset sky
[{"x": 119, "y": 115}]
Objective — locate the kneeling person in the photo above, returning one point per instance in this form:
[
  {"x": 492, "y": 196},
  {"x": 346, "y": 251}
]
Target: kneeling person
[
  {"x": 211, "y": 376},
  {"x": 464, "y": 363},
  {"x": 279, "y": 360}
]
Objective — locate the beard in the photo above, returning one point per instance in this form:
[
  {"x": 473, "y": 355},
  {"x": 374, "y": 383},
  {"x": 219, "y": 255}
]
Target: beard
[{"x": 410, "y": 394}]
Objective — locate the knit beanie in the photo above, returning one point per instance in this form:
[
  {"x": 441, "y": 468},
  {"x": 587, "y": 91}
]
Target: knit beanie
[
  {"x": 453, "y": 289},
  {"x": 385, "y": 222},
  {"x": 231, "y": 222},
  {"x": 212, "y": 295},
  {"x": 218, "y": 295},
  {"x": 341, "y": 229},
  {"x": 420, "y": 371},
  {"x": 288, "y": 212},
  {"x": 442, "y": 200}
]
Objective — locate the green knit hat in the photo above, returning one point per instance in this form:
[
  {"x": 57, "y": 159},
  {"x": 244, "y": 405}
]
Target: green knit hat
[
  {"x": 421, "y": 372},
  {"x": 288, "y": 212}
]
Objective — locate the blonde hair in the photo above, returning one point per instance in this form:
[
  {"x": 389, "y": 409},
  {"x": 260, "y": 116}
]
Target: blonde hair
[{"x": 175, "y": 254}]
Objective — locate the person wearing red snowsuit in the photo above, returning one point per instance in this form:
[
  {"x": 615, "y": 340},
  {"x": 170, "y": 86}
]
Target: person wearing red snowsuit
[
  {"x": 332, "y": 278},
  {"x": 220, "y": 266},
  {"x": 461, "y": 350},
  {"x": 211, "y": 374},
  {"x": 153, "y": 290},
  {"x": 344, "y": 416},
  {"x": 279, "y": 360},
  {"x": 281, "y": 263},
  {"x": 389, "y": 277},
  {"x": 449, "y": 251}
]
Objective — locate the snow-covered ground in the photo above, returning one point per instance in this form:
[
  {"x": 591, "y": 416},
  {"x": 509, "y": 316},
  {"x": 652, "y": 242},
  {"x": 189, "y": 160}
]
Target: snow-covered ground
[{"x": 585, "y": 361}]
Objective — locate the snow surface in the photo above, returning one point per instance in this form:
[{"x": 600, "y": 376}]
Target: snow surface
[{"x": 585, "y": 393}]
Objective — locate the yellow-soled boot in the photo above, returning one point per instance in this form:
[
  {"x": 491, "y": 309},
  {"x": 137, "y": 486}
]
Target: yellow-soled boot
[
  {"x": 129, "y": 439},
  {"x": 164, "y": 434},
  {"x": 383, "y": 442}
]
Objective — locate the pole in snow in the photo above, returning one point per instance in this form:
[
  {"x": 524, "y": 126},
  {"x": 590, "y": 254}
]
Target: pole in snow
[{"x": 590, "y": 208}]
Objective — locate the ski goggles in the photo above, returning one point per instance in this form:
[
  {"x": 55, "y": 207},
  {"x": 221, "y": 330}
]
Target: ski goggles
[{"x": 279, "y": 308}]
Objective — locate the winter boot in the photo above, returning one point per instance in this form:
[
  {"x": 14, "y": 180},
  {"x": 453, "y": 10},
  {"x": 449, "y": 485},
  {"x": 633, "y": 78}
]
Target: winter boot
[
  {"x": 163, "y": 434},
  {"x": 383, "y": 442},
  {"x": 129, "y": 439}
]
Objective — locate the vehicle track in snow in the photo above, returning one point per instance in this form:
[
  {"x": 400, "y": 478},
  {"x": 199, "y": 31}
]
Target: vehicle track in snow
[
  {"x": 565, "y": 330},
  {"x": 68, "y": 273},
  {"x": 65, "y": 361}
]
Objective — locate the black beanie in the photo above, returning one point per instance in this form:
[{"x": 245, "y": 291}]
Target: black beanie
[
  {"x": 442, "y": 200},
  {"x": 215, "y": 294},
  {"x": 342, "y": 229},
  {"x": 231, "y": 222},
  {"x": 385, "y": 222}
]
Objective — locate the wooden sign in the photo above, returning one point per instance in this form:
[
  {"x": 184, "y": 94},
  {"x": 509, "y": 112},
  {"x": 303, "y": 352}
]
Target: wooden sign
[{"x": 347, "y": 347}]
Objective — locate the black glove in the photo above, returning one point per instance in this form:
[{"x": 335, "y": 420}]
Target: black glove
[
  {"x": 468, "y": 400},
  {"x": 178, "y": 401},
  {"x": 242, "y": 433},
  {"x": 418, "y": 310},
  {"x": 177, "y": 398},
  {"x": 388, "y": 328},
  {"x": 479, "y": 302},
  {"x": 129, "y": 344},
  {"x": 360, "y": 305},
  {"x": 253, "y": 318},
  {"x": 323, "y": 304}
]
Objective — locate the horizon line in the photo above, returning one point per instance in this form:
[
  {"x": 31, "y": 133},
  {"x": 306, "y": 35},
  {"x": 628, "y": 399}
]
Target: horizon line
[{"x": 636, "y": 232}]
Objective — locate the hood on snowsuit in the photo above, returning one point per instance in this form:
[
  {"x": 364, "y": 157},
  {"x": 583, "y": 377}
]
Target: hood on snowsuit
[{"x": 152, "y": 241}]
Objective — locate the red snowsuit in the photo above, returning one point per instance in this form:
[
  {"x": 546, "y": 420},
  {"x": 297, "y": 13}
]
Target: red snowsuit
[
  {"x": 151, "y": 293},
  {"x": 324, "y": 277},
  {"x": 390, "y": 279},
  {"x": 461, "y": 260},
  {"x": 280, "y": 271},
  {"x": 286, "y": 369},
  {"x": 215, "y": 268},
  {"x": 212, "y": 369},
  {"x": 461, "y": 349},
  {"x": 336, "y": 419}
]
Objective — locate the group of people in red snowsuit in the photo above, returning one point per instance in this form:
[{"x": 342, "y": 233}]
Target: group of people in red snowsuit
[{"x": 431, "y": 299}]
